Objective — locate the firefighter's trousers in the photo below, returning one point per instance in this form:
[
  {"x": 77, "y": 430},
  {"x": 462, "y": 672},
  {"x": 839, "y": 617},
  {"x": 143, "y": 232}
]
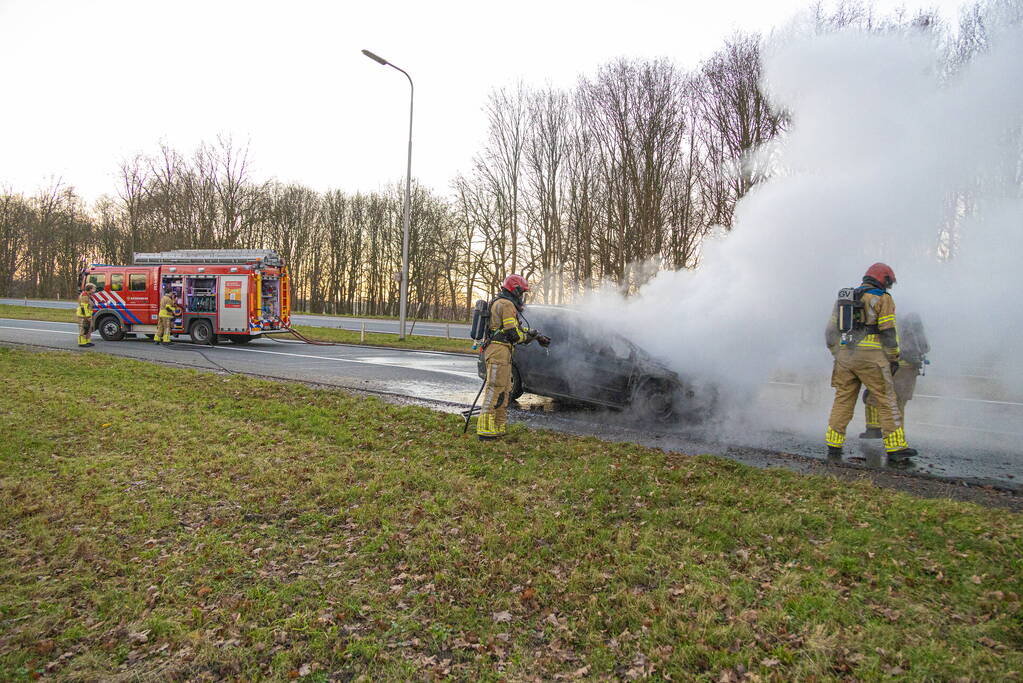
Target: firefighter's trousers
[
  {"x": 84, "y": 330},
  {"x": 904, "y": 382},
  {"x": 163, "y": 329},
  {"x": 864, "y": 367},
  {"x": 493, "y": 419}
]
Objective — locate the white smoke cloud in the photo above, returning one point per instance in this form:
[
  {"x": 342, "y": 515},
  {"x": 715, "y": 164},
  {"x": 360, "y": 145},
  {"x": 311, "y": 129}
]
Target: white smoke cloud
[{"x": 880, "y": 143}]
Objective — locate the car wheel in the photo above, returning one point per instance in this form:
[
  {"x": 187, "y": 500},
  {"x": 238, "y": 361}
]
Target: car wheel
[
  {"x": 516, "y": 389},
  {"x": 653, "y": 400},
  {"x": 696, "y": 404},
  {"x": 201, "y": 332},
  {"x": 110, "y": 328},
  {"x": 239, "y": 338}
]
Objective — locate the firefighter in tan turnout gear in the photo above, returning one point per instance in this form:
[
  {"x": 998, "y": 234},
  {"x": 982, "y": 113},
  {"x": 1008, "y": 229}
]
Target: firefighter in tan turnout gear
[
  {"x": 84, "y": 315},
  {"x": 168, "y": 309},
  {"x": 504, "y": 331},
  {"x": 914, "y": 349},
  {"x": 862, "y": 337}
]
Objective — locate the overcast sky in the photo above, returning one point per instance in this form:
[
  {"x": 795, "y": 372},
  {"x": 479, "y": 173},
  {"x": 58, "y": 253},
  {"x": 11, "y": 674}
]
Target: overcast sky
[{"x": 87, "y": 83}]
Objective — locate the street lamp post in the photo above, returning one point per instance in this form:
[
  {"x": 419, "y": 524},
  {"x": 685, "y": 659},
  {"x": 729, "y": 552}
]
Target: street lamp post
[{"x": 403, "y": 300}]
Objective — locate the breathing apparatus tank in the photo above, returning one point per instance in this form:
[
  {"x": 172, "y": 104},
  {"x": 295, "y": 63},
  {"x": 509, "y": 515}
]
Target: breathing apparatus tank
[
  {"x": 850, "y": 312},
  {"x": 480, "y": 323}
]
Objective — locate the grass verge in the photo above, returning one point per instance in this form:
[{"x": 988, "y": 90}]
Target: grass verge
[
  {"x": 412, "y": 342},
  {"x": 56, "y": 315},
  {"x": 168, "y": 524},
  {"x": 382, "y": 317}
]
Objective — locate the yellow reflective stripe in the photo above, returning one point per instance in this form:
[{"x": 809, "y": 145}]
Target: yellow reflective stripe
[
  {"x": 886, "y": 318},
  {"x": 485, "y": 425},
  {"x": 871, "y": 341},
  {"x": 834, "y": 438},
  {"x": 509, "y": 320},
  {"x": 873, "y": 416},
  {"x": 895, "y": 441}
]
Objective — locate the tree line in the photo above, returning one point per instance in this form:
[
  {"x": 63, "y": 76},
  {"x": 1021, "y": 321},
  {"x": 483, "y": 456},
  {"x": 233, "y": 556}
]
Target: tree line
[{"x": 611, "y": 180}]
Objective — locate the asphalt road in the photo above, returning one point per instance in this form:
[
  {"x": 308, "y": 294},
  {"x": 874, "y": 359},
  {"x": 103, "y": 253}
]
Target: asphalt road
[
  {"x": 426, "y": 375},
  {"x": 452, "y": 330},
  {"x": 960, "y": 437}
]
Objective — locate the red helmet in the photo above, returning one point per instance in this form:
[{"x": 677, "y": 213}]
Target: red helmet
[
  {"x": 516, "y": 284},
  {"x": 881, "y": 273}
]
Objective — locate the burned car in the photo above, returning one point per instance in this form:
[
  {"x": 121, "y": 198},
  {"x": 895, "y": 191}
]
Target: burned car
[{"x": 588, "y": 363}]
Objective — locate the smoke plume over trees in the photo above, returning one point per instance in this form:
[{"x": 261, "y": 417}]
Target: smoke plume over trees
[{"x": 612, "y": 180}]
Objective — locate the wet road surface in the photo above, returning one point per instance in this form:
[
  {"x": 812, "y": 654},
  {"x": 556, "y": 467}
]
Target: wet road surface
[
  {"x": 961, "y": 436},
  {"x": 452, "y": 330}
]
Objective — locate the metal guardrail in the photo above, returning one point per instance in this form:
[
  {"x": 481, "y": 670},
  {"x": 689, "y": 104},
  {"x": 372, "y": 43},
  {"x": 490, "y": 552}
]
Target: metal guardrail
[{"x": 362, "y": 331}]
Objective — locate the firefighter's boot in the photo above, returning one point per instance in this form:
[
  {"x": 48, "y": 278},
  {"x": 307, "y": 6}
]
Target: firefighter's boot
[
  {"x": 872, "y": 433},
  {"x": 902, "y": 455},
  {"x": 834, "y": 453}
]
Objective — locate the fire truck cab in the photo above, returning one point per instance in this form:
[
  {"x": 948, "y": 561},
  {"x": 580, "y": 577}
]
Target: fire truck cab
[{"x": 232, "y": 294}]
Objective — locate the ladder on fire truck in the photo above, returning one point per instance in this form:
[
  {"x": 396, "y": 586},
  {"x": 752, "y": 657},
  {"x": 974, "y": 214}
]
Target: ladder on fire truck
[{"x": 261, "y": 257}]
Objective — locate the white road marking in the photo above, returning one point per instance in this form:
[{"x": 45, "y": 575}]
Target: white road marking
[
  {"x": 969, "y": 400},
  {"x": 971, "y": 429},
  {"x": 363, "y": 361},
  {"x": 940, "y": 398},
  {"x": 36, "y": 329}
]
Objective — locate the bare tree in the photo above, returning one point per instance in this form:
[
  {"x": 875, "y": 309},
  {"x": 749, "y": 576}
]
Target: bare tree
[{"x": 736, "y": 120}]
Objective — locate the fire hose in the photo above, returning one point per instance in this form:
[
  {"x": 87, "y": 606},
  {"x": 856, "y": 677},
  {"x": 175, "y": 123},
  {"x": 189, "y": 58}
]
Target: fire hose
[{"x": 301, "y": 337}]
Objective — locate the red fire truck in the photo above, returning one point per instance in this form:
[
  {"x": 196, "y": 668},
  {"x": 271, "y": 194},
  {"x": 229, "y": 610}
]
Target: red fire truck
[{"x": 232, "y": 294}]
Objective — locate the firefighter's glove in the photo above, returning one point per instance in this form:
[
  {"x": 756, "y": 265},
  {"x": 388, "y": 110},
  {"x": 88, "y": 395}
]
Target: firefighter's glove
[
  {"x": 543, "y": 341},
  {"x": 893, "y": 366}
]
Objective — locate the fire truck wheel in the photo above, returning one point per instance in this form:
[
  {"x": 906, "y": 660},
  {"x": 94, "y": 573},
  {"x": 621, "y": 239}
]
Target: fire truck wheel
[
  {"x": 201, "y": 332},
  {"x": 110, "y": 328},
  {"x": 239, "y": 338}
]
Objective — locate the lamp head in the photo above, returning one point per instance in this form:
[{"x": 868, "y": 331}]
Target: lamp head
[{"x": 374, "y": 57}]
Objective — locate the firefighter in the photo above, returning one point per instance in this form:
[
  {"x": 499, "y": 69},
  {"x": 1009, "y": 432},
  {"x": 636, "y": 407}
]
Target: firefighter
[
  {"x": 914, "y": 347},
  {"x": 168, "y": 309},
  {"x": 84, "y": 315},
  {"x": 867, "y": 353},
  {"x": 505, "y": 331}
]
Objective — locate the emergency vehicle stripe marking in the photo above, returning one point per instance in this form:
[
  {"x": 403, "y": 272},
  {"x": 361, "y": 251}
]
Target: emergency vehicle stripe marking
[
  {"x": 121, "y": 305},
  {"x": 114, "y": 306},
  {"x": 124, "y": 309},
  {"x": 110, "y": 300}
]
